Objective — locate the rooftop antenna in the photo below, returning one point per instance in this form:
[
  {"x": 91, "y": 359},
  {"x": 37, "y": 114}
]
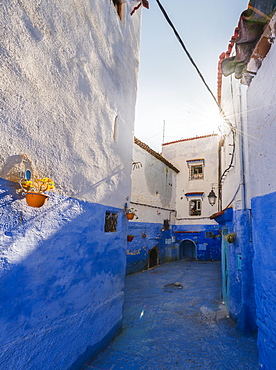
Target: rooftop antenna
[{"x": 164, "y": 123}]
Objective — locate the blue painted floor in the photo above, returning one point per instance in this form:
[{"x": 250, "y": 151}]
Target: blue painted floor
[{"x": 168, "y": 326}]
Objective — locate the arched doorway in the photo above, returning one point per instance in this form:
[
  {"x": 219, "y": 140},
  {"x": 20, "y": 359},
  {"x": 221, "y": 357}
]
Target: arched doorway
[
  {"x": 187, "y": 248},
  {"x": 153, "y": 257}
]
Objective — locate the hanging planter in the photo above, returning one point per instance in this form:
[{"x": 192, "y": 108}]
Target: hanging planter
[
  {"x": 230, "y": 238},
  {"x": 35, "y": 196},
  {"x": 36, "y": 199},
  {"x": 130, "y": 216},
  {"x": 130, "y": 238},
  {"x": 131, "y": 213}
]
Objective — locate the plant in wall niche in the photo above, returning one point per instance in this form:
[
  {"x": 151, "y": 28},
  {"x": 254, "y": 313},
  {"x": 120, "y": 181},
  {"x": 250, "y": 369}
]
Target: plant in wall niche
[
  {"x": 230, "y": 238},
  {"x": 35, "y": 189},
  {"x": 131, "y": 213}
]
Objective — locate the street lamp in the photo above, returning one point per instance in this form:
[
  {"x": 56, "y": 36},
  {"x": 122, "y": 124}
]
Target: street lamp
[{"x": 212, "y": 197}]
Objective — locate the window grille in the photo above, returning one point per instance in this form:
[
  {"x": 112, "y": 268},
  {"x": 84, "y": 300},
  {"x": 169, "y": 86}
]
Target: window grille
[
  {"x": 195, "y": 207},
  {"x": 111, "y": 221}
]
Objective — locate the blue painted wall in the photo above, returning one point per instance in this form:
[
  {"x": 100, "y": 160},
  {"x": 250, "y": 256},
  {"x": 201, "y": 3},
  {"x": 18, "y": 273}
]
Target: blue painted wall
[
  {"x": 150, "y": 235},
  {"x": 147, "y": 236},
  {"x": 207, "y": 248},
  {"x": 242, "y": 307},
  {"x": 264, "y": 236},
  {"x": 62, "y": 280}
]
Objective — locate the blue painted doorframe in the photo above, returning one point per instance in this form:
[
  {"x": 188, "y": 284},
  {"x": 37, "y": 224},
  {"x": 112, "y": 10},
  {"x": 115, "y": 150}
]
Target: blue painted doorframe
[{"x": 225, "y": 268}]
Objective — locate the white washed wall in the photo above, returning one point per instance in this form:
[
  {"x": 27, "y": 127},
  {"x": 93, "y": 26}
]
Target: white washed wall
[
  {"x": 234, "y": 105},
  {"x": 68, "y": 69},
  {"x": 261, "y": 128},
  {"x": 153, "y": 184},
  {"x": 178, "y": 153}
]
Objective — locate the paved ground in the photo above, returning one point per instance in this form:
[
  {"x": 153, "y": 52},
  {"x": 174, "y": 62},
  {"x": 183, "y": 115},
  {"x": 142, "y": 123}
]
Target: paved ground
[{"x": 177, "y": 327}]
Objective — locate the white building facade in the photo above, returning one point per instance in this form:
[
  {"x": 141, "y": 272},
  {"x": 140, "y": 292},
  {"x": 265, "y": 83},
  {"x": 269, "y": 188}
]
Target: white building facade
[
  {"x": 153, "y": 200},
  {"x": 197, "y": 160},
  {"x": 170, "y": 197}
]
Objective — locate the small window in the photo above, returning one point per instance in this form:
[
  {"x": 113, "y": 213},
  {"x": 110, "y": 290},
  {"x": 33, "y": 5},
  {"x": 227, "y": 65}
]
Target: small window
[
  {"x": 196, "y": 172},
  {"x": 195, "y": 207},
  {"x": 166, "y": 225},
  {"x": 111, "y": 220},
  {"x": 119, "y": 7}
]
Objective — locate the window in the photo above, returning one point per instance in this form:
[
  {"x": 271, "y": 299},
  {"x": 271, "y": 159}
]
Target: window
[
  {"x": 196, "y": 172},
  {"x": 111, "y": 220},
  {"x": 196, "y": 169},
  {"x": 195, "y": 207},
  {"x": 209, "y": 234},
  {"x": 119, "y": 7}
]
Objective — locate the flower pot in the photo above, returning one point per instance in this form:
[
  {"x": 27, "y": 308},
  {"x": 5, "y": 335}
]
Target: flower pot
[
  {"x": 130, "y": 238},
  {"x": 36, "y": 199},
  {"x": 130, "y": 216},
  {"x": 230, "y": 237}
]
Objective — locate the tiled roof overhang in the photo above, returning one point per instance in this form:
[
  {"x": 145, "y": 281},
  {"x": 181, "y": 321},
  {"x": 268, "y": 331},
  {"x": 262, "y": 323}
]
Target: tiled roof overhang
[
  {"x": 253, "y": 38},
  {"x": 155, "y": 154}
]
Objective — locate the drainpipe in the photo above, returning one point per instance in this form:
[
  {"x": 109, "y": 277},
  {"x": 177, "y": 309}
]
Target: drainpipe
[{"x": 242, "y": 157}]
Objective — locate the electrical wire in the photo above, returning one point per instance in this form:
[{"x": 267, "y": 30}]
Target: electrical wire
[{"x": 187, "y": 53}]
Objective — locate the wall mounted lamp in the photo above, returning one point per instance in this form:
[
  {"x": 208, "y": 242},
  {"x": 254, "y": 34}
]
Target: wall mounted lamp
[{"x": 212, "y": 198}]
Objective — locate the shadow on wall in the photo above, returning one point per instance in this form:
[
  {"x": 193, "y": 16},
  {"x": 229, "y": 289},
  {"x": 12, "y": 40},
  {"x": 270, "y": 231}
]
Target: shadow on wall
[
  {"x": 62, "y": 280},
  {"x": 14, "y": 167}
]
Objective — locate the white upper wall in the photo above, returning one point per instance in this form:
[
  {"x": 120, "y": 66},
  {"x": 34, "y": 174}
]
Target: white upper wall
[
  {"x": 252, "y": 111},
  {"x": 153, "y": 184},
  {"x": 178, "y": 153},
  {"x": 234, "y": 106},
  {"x": 68, "y": 70},
  {"x": 262, "y": 127}
]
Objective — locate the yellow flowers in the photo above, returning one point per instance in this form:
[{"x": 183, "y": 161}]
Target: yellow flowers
[{"x": 38, "y": 185}]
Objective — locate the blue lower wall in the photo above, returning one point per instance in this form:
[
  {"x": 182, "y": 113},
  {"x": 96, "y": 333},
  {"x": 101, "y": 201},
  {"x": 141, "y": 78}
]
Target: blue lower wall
[
  {"x": 264, "y": 265},
  {"x": 242, "y": 307},
  {"x": 146, "y": 236},
  {"x": 149, "y": 235},
  {"x": 207, "y": 239},
  {"x": 62, "y": 280}
]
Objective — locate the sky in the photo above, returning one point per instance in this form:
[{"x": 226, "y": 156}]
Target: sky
[{"x": 169, "y": 88}]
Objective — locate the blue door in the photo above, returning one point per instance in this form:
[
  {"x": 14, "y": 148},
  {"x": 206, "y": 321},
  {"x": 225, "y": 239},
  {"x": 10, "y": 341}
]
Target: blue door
[
  {"x": 187, "y": 248},
  {"x": 225, "y": 268}
]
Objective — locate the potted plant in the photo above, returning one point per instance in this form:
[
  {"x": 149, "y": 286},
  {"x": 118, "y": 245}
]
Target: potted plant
[
  {"x": 131, "y": 213},
  {"x": 35, "y": 189},
  {"x": 230, "y": 237},
  {"x": 130, "y": 238}
]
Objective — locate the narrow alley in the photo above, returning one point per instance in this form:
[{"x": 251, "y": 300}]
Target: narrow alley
[{"x": 174, "y": 319}]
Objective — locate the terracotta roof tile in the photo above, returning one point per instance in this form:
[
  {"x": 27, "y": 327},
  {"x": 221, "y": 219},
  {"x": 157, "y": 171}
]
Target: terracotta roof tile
[{"x": 155, "y": 154}]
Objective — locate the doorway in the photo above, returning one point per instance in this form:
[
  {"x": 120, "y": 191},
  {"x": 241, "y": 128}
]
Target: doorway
[
  {"x": 153, "y": 257},
  {"x": 187, "y": 248}
]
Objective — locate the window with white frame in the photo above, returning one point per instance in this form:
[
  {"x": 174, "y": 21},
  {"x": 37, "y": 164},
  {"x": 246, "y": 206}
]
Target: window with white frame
[{"x": 195, "y": 207}]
